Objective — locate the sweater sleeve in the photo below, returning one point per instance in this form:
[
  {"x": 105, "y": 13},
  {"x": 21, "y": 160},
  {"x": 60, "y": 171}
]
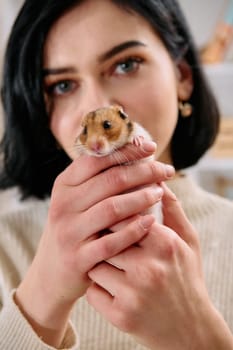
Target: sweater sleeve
[
  {"x": 20, "y": 231},
  {"x": 16, "y": 332}
]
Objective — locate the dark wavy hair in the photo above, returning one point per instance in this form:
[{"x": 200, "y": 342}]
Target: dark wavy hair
[{"x": 30, "y": 157}]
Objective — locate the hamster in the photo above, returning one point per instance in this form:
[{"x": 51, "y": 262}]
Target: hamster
[{"x": 106, "y": 130}]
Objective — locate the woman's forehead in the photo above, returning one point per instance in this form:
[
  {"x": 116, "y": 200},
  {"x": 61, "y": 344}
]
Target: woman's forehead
[{"x": 96, "y": 27}]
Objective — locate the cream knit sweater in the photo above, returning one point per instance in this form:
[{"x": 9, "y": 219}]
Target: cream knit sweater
[{"x": 20, "y": 231}]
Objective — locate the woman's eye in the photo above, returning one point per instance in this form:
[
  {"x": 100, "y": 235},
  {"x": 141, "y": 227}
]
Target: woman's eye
[
  {"x": 128, "y": 65},
  {"x": 61, "y": 88}
]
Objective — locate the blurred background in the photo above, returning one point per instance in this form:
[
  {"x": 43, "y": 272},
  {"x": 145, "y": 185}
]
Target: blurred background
[{"x": 211, "y": 22}]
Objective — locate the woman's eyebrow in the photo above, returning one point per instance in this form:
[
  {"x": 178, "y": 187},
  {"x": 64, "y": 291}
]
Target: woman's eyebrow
[
  {"x": 107, "y": 55},
  {"x": 117, "y": 49}
]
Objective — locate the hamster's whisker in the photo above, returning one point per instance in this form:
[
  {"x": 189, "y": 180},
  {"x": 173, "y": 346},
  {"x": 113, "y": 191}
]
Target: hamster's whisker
[
  {"x": 115, "y": 156},
  {"x": 118, "y": 156},
  {"x": 126, "y": 159},
  {"x": 136, "y": 153},
  {"x": 79, "y": 148}
]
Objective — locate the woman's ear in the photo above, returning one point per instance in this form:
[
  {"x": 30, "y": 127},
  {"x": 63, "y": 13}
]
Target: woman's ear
[{"x": 184, "y": 81}]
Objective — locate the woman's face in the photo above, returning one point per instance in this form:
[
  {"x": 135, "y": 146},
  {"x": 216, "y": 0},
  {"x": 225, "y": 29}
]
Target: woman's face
[{"x": 97, "y": 55}]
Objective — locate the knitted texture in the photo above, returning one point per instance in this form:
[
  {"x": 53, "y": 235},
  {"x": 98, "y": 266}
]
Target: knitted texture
[{"x": 20, "y": 231}]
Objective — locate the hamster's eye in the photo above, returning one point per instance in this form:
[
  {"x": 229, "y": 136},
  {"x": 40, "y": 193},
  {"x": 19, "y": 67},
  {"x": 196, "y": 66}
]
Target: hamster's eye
[
  {"x": 107, "y": 124},
  {"x": 85, "y": 130}
]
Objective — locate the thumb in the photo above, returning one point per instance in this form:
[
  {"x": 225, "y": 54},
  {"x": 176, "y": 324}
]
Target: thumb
[{"x": 175, "y": 218}]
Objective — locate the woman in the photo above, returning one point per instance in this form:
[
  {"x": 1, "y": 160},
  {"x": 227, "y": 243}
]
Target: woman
[{"x": 63, "y": 60}]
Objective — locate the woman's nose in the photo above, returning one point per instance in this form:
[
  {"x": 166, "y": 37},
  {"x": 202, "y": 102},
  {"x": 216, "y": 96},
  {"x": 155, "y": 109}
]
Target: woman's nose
[{"x": 97, "y": 96}]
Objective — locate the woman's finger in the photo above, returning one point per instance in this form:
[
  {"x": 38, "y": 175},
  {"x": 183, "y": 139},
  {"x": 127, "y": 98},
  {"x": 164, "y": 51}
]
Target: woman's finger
[
  {"x": 108, "y": 277},
  {"x": 85, "y": 167},
  {"x": 100, "y": 299},
  {"x": 120, "y": 225},
  {"x": 112, "y": 244},
  {"x": 113, "y": 181},
  {"x": 115, "y": 209},
  {"x": 175, "y": 218}
]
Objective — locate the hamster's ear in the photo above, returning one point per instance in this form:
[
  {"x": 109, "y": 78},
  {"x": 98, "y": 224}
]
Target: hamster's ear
[
  {"x": 86, "y": 117},
  {"x": 123, "y": 115},
  {"x": 184, "y": 81},
  {"x": 83, "y": 122},
  {"x": 121, "y": 112}
]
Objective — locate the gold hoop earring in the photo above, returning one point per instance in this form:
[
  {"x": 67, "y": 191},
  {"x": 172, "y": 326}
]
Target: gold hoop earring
[{"x": 185, "y": 109}]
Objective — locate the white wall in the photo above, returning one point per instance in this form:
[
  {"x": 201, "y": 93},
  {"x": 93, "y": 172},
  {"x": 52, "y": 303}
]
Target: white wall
[
  {"x": 203, "y": 16},
  {"x": 8, "y": 10}
]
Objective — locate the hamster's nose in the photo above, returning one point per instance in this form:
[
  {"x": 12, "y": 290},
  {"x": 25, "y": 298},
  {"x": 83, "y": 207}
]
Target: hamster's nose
[{"x": 96, "y": 146}]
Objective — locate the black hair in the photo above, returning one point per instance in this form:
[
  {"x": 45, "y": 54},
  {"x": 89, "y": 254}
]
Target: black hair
[{"x": 31, "y": 158}]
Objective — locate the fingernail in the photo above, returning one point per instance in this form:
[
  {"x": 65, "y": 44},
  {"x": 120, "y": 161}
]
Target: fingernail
[
  {"x": 170, "y": 170},
  {"x": 146, "y": 221},
  {"x": 149, "y": 146}
]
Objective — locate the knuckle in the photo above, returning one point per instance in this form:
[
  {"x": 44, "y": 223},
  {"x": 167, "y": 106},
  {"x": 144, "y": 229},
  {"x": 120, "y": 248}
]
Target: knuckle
[
  {"x": 159, "y": 276},
  {"x": 117, "y": 177},
  {"x": 112, "y": 208},
  {"x": 152, "y": 273},
  {"x": 155, "y": 170},
  {"x": 158, "y": 171},
  {"x": 106, "y": 249},
  {"x": 171, "y": 248},
  {"x": 138, "y": 231},
  {"x": 148, "y": 196},
  {"x": 56, "y": 211},
  {"x": 155, "y": 275},
  {"x": 59, "y": 207},
  {"x": 58, "y": 181}
]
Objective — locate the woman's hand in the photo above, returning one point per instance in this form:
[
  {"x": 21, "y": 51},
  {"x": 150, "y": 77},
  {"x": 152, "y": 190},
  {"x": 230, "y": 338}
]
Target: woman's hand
[
  {"x": 156, "y": 291},
  {"x": 88, "y": 197}
]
